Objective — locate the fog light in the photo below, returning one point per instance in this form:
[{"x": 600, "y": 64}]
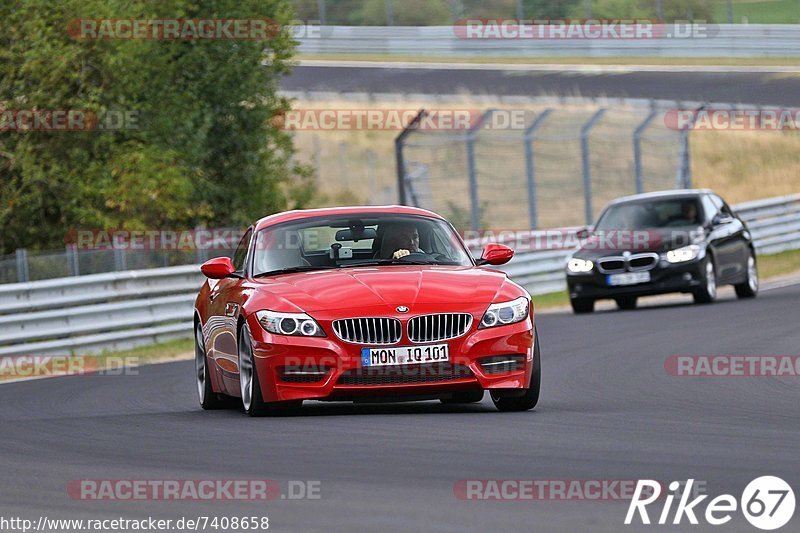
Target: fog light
[{"x": 687, "y": 276}]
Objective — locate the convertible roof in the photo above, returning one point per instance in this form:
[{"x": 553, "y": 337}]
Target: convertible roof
[{"x": 299, "y": 214}]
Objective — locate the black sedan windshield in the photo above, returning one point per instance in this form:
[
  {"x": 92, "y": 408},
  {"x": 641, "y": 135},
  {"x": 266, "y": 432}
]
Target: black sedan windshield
[{"x": 668, "y": 213}]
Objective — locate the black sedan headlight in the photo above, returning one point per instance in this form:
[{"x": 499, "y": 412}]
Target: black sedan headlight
[{"x": 505, "y": 313}]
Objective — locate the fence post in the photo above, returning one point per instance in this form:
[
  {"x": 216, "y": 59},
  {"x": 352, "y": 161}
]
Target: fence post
[
  {"x": 371, "y": 176},
  {"x": 389, "y": 13},
  {"x": 398, "y": 156},
  {"x": 472, "y": 171},
  {"x": 72, "y": 259},
  {"x": 530, "y": 168},
  {"x": 22, "y": 265},
  {"x": 683, "y": 177},
  {"x": 587, "y": 173},
  {"x": 520, "y": 11},
  {"x": 343, "y": 171},
  {"x": 637, "y": 150},
  {"x": 119, "y": 259},
  {"x": 323, "y": 15}
]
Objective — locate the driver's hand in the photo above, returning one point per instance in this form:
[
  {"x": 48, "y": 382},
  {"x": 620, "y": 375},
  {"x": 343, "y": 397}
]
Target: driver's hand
[{"x": 400, "y": 253}]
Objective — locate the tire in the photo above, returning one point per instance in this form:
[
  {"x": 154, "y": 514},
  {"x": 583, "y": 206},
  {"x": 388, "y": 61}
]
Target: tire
[
  {"x": 208, "y": 398},
  {"x": 464, "y": 397},
  {"x": 249, "y": 386},
  {"x": 522, "y": 399},
  {"x": 626, "y": 302},
  {"x": 581, "y": 305},
  {"x": 749, "y": 288},
  {"x": 708, "y": 293}
]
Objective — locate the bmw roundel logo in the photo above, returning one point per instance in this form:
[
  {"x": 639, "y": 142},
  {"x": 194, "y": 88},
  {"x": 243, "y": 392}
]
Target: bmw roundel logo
[{"x": 402, "y": 309}]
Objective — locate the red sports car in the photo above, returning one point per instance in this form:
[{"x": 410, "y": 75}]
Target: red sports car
[{"x": 362, "y": 304}]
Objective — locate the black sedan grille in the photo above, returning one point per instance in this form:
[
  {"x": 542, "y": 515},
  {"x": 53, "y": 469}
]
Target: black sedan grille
[
  {"x": 401, "y": 375},
  {"x": 631, "y": 263}
]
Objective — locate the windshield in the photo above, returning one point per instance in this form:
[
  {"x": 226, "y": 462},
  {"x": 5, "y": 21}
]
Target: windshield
[
  {"x": 352, "y": 241},
  {"x": 651, "y": 214}
]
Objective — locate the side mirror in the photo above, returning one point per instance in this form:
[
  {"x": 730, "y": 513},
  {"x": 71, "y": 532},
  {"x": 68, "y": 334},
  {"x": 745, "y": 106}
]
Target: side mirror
[
  {"x": 583, "y": 233},
  {"x": 496, "y": 254},
  {"x": 720, "y": 219},
  {"x": 217, "y": 268}
]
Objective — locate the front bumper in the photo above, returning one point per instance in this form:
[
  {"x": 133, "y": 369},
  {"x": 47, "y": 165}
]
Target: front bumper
[
  {"x": 344, "y": 378},
  {"x": 664, "y": 278}
]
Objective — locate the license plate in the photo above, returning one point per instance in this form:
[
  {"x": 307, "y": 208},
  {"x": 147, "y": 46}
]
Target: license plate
[
  {"x": 628, "y": 278},
  {"x": 405, "y": 355}
]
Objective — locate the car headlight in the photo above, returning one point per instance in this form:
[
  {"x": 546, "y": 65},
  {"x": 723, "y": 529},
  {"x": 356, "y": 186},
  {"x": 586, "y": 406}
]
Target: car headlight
[
  {"x": 680, "y": 255},
  {"x": 299, "y": 324},
  {"x": 579, "y": 266},
  {"x": 505, "y": 313}
]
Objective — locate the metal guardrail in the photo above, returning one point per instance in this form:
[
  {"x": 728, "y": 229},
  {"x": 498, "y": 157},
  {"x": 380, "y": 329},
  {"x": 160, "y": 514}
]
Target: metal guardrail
[
  {"x": 123, "y": 309},
  {"x": 711, "y": 40}
]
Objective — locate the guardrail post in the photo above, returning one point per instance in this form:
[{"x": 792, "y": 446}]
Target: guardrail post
[
  {"x": 637, "y": 150},
  {"x": 22, "y": 265},
  {"x": 72, "y": 260},
  {"x": 587, "y": 173},
  {"x": 530, "y": 167},
  {"x": 400, "y": 159},
  {"x": 472, "y": 171}
]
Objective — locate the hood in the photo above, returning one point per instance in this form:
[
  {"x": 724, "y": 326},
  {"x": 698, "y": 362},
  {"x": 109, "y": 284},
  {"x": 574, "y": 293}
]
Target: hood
[
  {"x": 384, "y": 286},
  {"x": 651, "y": 240}
]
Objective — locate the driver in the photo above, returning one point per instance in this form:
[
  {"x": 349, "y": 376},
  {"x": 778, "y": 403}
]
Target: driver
[
  {"x": 690, "y": 212},
  {"x": 401, "y": 240}
]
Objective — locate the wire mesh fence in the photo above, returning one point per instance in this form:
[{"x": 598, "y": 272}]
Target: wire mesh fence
[{"x": 558, "y": 168}]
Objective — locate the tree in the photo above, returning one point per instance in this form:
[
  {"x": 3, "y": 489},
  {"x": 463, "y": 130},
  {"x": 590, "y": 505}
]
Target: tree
[{"x": 204, "y": 152}]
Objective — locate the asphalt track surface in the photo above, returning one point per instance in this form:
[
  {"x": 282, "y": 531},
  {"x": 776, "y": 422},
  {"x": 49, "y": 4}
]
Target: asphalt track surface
[
  {"x": 609, "y": 411},
  {"x": 758, "y": 88}
]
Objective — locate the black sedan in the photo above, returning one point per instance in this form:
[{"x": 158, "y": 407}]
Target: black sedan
[{"x": 686, "y": 241}]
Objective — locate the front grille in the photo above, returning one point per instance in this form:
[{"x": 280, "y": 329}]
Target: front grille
[
  {"x": 430, "y": 328},
  {"x": 368, "y": 330},
  {"x": 400, "y": 375},
  {"x": 498, "y": 364},
  {"x": 630, "y": 263},
  {"x": 643, "y": 261},
  {"x": 611, "y": 265}
]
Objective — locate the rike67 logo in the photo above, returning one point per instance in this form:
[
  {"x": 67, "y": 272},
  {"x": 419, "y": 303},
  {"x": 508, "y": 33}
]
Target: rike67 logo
[{"x": 767, "y": 503}]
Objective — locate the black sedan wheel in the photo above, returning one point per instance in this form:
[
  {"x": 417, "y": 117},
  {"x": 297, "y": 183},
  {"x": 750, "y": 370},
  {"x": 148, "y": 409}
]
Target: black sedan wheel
[
  {"x": 581, "y": 305},
  {"x": 626, "y": 302},
  {"x": 708, "y": 292},
  {"x": 749, "y": 289}
]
